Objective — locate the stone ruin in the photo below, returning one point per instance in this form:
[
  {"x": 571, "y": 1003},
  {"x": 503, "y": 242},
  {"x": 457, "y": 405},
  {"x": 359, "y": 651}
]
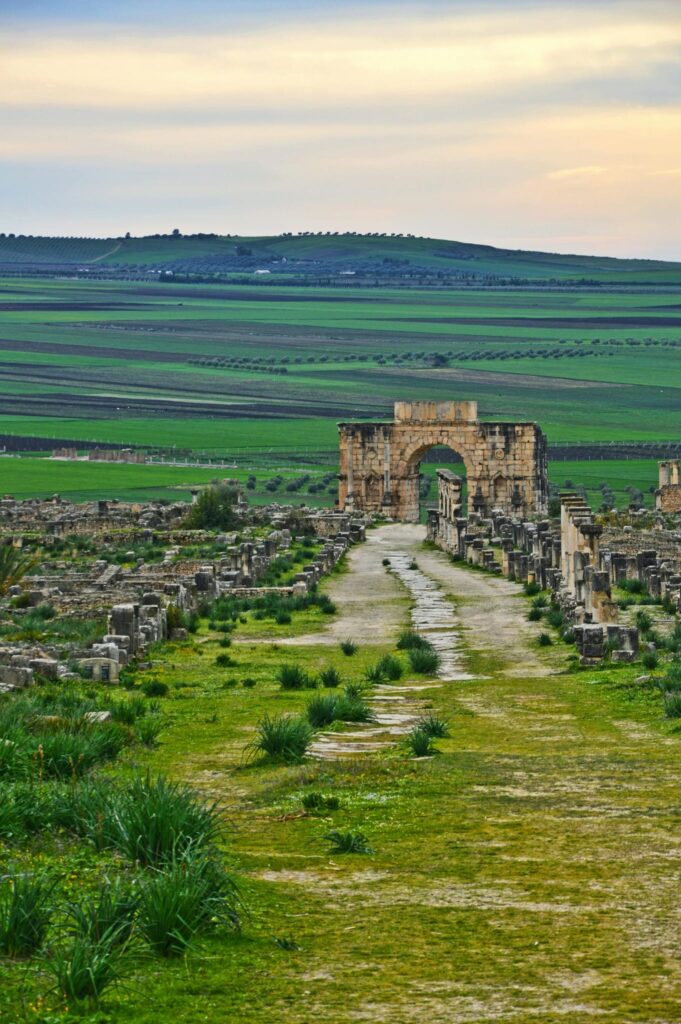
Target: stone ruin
[
  {"x": 668, "y": 494},
  {"x": 379, "y": 462},
  {"x": 134, "y": 599},
  {"x": 578, "y": 560}
]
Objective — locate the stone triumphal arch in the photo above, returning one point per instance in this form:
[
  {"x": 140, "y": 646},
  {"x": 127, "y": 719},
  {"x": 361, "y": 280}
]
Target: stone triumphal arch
[{"x": 379, "y": 462}]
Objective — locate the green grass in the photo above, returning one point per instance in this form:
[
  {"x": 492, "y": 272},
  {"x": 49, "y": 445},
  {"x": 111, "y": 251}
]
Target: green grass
[{"x": 531, "y": 856}]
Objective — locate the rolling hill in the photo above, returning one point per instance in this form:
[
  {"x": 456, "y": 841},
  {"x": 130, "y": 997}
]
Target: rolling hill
[{"x": 289, "y": 258}]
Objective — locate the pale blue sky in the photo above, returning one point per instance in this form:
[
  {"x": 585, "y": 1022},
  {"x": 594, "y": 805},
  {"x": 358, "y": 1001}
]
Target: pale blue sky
[{"x": 531, "y": 125}]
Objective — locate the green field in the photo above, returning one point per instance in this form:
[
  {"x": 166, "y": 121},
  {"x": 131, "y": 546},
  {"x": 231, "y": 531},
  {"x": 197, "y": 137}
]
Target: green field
[
  {"x": 28, "y": 477},
  {"x": 262, "y": 374}
]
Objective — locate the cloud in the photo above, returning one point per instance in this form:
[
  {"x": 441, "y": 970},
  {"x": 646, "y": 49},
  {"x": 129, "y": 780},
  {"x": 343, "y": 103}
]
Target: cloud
[
  {"x": 367, "y": 60},
  {"x": 499, "y": 122},
  {"x": 577, "y": 172}
]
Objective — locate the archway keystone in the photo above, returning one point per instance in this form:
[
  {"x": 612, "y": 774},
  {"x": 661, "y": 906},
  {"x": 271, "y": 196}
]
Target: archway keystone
[{"x": 379, "y": 462}]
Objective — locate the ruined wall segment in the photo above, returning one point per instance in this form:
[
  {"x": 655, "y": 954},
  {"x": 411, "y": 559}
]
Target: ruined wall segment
[
  {"x": 668, "y": 494},
  {"x": 379, "y": 462}
]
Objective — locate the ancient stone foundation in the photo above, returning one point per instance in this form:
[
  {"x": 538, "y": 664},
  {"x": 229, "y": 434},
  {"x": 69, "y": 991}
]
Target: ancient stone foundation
[{"x": 379, "y": 462}]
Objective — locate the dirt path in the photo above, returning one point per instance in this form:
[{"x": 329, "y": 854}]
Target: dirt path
[
  {"x": 445, "y": 601},
  {"x": 373, "y": 603}
]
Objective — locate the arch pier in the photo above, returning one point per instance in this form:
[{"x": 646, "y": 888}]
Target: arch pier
[{"x": 379, "y": 462}]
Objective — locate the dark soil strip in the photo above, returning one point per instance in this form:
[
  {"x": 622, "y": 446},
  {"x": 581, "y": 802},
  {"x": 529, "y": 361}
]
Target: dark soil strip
[
  {"x": 93, "y": 352},
  {"x": 565, "y": 323}
]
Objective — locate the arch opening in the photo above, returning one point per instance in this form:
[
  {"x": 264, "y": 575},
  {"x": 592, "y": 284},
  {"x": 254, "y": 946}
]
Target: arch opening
[{"x": 436, "y": 459}]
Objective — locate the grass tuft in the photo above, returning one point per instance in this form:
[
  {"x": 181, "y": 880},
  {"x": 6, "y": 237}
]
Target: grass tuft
[
  {"x": 348, "y": 842},
  {"x": 282, "y": 738},
  {"x": 26, "y": 910}
]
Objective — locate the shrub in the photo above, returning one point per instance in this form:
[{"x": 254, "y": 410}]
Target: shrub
[
  {"x": 632, "y": 586},
  {"x": 84, "y": 969},
  {"x": 283, "y": 618},
  {"x": 421, "y": 742},
  {"x": 374, "y": 674},
  {"x": 214, "y": 508},
  {"x": 154, "y": 688},
  {"x": 225, "y": 641},
  {"x": 544, "y": 640},
  {"x": 348, "y": 842},
  {"x": 25, "y": 912},
  {"x": 568, "y": 636},
  {"x": 292, "y": 677},
  {"x": 409, "y": 639},
  {"x": 353, "y": 709},
  {"x": 224, "y": 660},
  {"x": 284, "y": 738},
  {"x": 413, "y": 564},
  {"x": 671, "y": 701},
  {"x": 531, "y": 589},
  {"x": 147, "y": 731},
  {"x": 435, "y": 727},
  {"x": 330, "y": 678},
  {"x": 65, "y": 755},
  {"x": 348, "y": 648},
  {"x": 313, "y": 802},
  {"x": 325, "y": 604},
  {"x": 321, "y": 711},
  {"x": 154, "y": 821},
  {"x": 248, "y": 683},
  {"x": 110, "y": 913},
  {"x": 390, "y": 667},
  {"x": 424, "y": 659},
  {"x": 643, "y": 621},
  {"x": 188, "y": 897},
  {"x": 386, "y": 561},
  {"x": 128, "y": 711},
  {"x": 649, "y": 659},
  {"x": 555, "y": 618},
  {"x": 355, "y": 691},
  {"x": 534, "y": 614},
  {"x": 541, "y": 601}
]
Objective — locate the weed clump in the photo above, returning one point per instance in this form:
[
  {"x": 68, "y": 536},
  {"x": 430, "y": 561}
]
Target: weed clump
[
  {"x": 293, "y": 677},
  {"x": 420, "y": 742},
  {"x": 424, "y": 660},
  {"x": 188, "y": 897},
  {"x": 26, "y": 910},
  {"x": 154, "y": 688},
  {"x": 348, "y": 648},
  {"x": 85, "y": 968},
  {"x": 348, "y": 842},
  {"x": 315, "y": 803},
  {"x": 283, "y": 738},
  {"x": 650, "y": 659},
  {"x": 409, "y": 639},
  {"x": 330, "y": 678},
  {"x": 390, "y": 667},
  {"x": 433, "y": 726}
]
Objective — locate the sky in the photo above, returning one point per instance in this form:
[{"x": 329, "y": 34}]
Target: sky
[{"x": 530, "y": 124}]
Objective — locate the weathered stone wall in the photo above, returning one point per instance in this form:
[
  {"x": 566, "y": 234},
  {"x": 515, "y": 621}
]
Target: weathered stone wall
[
  {"x": 379, "y": 462},
  {"x": 668, "y": 494},
  {"x": 568, "y": 560}
]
